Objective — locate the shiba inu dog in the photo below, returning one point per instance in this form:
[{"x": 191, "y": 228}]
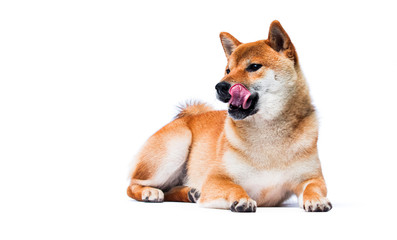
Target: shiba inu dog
[{"x": 259, "y": 152}]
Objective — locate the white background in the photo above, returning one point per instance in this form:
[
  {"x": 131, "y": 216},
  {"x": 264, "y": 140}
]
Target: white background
[{"x": 84, "y": 83}]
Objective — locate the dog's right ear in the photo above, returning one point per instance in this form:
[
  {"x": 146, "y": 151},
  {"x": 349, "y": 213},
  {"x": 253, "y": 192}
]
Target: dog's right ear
[{"x": 229, "y": 43}]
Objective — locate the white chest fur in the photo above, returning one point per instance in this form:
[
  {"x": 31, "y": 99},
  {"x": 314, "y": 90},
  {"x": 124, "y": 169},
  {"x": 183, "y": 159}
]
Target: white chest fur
[{"x": 267, "y": 185}]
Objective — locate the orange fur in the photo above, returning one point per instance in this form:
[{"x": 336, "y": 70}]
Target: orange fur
[
  {"x": 178, "y": 194},
  {"x": 312, "y": 194},
  {"x": 193, "y": 108},
  {"x": 265, "y": 157},
  {"x": 220, "y": 186},
  {"x": 136, "y": 192}
]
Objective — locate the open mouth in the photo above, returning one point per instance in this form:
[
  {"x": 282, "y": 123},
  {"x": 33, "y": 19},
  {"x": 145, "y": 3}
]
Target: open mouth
[
  {"x": 240, "y": 96},
  {"x": 242, "y": 102}
]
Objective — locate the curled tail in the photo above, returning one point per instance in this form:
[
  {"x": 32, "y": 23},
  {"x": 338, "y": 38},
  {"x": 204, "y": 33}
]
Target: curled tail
[{"x": 192, "y": 108}]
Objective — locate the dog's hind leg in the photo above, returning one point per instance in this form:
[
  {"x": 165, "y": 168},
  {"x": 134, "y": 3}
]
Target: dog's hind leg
[
  {"x": 161, "y": 162},
  {"x": 182, "y": 194},
  {"x": 146, "y": 194}
]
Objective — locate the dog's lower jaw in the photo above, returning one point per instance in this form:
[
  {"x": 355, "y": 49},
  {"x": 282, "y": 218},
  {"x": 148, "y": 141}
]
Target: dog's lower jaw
[{"x": 239, "y": 113}]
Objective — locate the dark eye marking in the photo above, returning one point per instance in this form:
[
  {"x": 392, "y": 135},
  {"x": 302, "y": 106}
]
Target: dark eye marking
[
  {"x": 253, "y": 67},
  {"x": 227, "y": 71}
]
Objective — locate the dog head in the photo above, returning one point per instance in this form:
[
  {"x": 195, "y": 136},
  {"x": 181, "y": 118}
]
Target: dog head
[{"x": 259, "y": 76}]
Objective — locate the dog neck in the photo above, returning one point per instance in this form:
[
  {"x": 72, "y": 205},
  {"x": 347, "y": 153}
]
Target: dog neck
[{"x": 294, "y": 111}]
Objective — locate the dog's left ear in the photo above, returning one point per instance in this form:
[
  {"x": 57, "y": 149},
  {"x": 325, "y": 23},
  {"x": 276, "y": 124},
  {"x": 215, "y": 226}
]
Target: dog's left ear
[
  {"x": 229, "y": 43},
  {"x": 279, "y": 40}
]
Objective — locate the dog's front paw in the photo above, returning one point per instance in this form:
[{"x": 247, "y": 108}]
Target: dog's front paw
[
  {"x": 193, "y": 195},
  {"x": 152, "y": 195},
  {"x": 321, "y": 204},
  {"x": 244, "y": 205}
]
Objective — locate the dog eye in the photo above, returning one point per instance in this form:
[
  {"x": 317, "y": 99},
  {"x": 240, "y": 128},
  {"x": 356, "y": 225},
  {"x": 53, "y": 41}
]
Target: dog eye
[
  {"x": 253, "y": 67},
  {"x": 227, "y": 71}
]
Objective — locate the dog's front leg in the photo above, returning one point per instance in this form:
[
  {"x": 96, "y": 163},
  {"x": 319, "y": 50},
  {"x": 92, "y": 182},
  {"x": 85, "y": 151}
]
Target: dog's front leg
[
  {"x": 221, "y": 192},
  {"x": 312, "y": 195}
]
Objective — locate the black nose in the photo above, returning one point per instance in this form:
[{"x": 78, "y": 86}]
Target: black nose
[{"x": 222, "y": 90}]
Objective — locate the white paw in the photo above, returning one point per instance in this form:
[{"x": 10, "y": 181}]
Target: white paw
[
  {"x": 243, "y": 205},
  {"x": 317, "y": 205},
  {"x": 152, "y": 195}
]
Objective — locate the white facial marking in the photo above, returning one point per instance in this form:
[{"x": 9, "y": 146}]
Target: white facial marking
[{"x": 273, "y": 93}]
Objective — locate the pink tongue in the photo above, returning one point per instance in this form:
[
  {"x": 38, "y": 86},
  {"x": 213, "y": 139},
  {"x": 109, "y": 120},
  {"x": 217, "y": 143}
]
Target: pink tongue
[{"x": 240, "y": 96}]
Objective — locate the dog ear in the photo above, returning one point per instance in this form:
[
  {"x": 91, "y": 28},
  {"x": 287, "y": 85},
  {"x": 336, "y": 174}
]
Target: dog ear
[
  {"x": 279, "y": 40},
  {"x": 229, "y": 43}
]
